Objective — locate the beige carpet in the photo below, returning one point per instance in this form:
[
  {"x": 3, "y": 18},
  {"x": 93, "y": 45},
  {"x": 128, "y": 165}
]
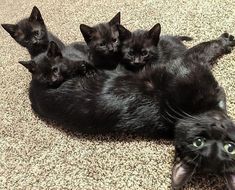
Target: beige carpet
[{"x": 35, "y": 155}]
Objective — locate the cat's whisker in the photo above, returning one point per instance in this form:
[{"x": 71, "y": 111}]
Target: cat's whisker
[
  {"x": 167, "y": 119},
  {"x": 178, "y": 113}
]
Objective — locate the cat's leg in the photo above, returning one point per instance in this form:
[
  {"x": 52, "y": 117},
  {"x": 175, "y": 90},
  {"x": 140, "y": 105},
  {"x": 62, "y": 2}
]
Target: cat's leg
[{"x": 207, "y": 53}]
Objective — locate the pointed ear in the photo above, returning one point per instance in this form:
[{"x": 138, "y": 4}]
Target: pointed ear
[
  {"x": 53, "y": 50},
  {"x": 11, "y": 28},
  {"x": 87, "y": 32},
  {"x": 124, "y": 34},
  {"x": 230, "y": 178},
  {"x": 36, "y": 15},
  {"x": 30, "y": 65},
  {"x": 181, "y": 174},
  {"x": 154, "y": 33},
  {"x": 116, "y": 19}
]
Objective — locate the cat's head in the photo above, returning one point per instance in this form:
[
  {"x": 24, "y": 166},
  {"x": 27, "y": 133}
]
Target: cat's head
[
  {"x": 30, "y": 31},
  {"x": 52, "y": 68},
  {"x": 139, "y": 48},
  {"x": 204, "y": 143},
  {"x": 103, "y": 38}
]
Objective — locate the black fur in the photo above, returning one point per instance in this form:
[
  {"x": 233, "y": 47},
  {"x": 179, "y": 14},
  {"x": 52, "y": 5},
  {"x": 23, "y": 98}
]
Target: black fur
[
  {"x": 182, "y": 92},
  {"x": 55, "y": 66},
  {"x": 32, "y": 33},
  {"x": 142, "y": 48},
  {"x": 103, "y": 42}
]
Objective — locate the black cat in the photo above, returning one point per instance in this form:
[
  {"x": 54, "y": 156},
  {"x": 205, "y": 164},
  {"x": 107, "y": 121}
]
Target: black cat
[
  {"x": 182, "y": 92},
  {"x": 142, "y": 48},
  {"x": 32, "y": 33},
  {"x": 103, "y": 42},
  {"x": 54, "y": 67}
]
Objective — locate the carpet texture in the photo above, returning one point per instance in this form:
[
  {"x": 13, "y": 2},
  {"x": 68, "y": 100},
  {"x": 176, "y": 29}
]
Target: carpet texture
[{"x": 36, "y": 155}]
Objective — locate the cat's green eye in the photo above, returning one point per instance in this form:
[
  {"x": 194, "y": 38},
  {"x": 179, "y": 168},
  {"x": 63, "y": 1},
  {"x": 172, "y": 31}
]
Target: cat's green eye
[
  {"x": 229, "y": 148},
  {"x": 199, "y": 142}
]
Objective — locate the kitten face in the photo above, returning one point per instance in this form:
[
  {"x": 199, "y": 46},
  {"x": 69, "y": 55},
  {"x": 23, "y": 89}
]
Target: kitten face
[
  {"x": 29, "y": 32},
  {"x": 103, "y": 38},
  {"x": 51, "y": 68},
  {"x": 140, "y": 47},
  {"x": 205, "y": 143}
]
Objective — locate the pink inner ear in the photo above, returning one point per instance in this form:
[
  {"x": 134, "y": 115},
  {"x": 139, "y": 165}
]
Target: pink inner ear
[
  {"x": 181, "y": 174},
  {"x": 230, "y": 181}
]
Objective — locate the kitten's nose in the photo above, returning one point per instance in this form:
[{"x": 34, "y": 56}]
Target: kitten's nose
[
  {"x": 110, "y": 48},
  {"x": 137, "y": 61}
]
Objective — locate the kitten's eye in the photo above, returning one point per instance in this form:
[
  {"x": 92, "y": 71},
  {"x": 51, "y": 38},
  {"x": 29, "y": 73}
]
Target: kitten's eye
[
  {"x": 102, "y": 44},
  {"x": 114, "y": 40},
  {"x": 55, "y": 69},
  {"x": 199, "y": 142},
  {"x": 144, "y": 53},
  {"x": 131, "y": 53},
  {"x": 229, "y": 148},
  {"x": 36, "y": 33}
]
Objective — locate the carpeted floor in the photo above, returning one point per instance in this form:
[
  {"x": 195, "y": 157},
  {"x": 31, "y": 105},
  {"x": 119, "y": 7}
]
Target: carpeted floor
[{"x": 36, "y": 155}]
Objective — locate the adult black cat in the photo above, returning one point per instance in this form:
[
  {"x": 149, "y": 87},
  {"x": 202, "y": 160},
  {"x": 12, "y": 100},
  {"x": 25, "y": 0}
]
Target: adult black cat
[
  {"x": 103, "y": 42},
  {"x": 142, "y": 48},
  {"x": 32, "y": 33},
  {"x": 182, "y": 92}
]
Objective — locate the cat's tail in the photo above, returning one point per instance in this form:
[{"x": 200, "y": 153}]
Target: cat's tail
[{"x": 185, "y": 38}]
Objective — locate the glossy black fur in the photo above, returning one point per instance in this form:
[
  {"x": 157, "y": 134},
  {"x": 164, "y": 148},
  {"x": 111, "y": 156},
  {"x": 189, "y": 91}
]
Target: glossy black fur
[
  {"x": 142, "y": 48},
  {"x": 104, "y": 43},
  {"x": 32, "y": 33},
  {"x": 150, "y": 102},
  {"x": 55, "y": 66}
]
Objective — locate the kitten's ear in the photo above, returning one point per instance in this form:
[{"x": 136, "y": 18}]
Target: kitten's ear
[
  {"x": 36, "y": 15},
  {"x": 30, "y": 65},
  {"x": 230, "y": 178},
  {"x": 181, "y": 174},
  {"x": 53, "y": 50},
  {"x": 124, "y": 34},
  {"x": 116, "y": 19},
  {"x": 11, "y": 28},
  {"x": 154, "y": 33},
  {"x": 87, "y": 32}
]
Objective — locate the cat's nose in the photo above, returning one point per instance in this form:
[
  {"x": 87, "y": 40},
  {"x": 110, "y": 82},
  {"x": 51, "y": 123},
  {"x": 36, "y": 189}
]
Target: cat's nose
[{"x": 110, "y": 48}]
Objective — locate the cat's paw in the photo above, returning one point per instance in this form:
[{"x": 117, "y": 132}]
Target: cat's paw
[{"x": 228, "y": 42}]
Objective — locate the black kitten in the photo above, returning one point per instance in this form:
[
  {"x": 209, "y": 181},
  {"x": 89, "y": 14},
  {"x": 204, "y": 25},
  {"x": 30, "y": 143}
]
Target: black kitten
[
  {"x": 32, "y": 33},
  {"x": 141, "y": 48},
  {"x": 54, "y": 67},
  {"x": 103, "y": 41}
]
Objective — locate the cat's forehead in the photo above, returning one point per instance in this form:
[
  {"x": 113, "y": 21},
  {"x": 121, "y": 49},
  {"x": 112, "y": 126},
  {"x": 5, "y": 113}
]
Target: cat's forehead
[
  {"x": 105, "y": 31},
  {"x": 139, "y": 40},
  {"x": 26, "y": 26}
]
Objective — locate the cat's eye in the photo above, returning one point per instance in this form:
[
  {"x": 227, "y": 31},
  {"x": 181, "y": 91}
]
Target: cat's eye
[
  {"x": 144, "y": 53},
  {"x": 114, "y": 40},
  {"x": 36, "y": 33},
  {"x": 131, "y": 53},
  {"x": 230, "y": 148},
  {"x": 102, "y": 43},
  {"x": 55, "y": 69},
  {"x": 199, "y": 142}
]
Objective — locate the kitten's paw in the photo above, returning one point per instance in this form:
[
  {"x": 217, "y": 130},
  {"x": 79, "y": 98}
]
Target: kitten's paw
[{"x": 228, "y": 42}]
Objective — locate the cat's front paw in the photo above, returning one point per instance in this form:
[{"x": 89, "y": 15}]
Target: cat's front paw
[{"x": 228, "y": 42}]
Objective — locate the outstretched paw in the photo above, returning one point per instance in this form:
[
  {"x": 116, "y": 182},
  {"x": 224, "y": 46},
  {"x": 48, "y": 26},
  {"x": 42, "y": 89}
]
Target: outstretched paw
[{"x": 228, "y": 42}]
